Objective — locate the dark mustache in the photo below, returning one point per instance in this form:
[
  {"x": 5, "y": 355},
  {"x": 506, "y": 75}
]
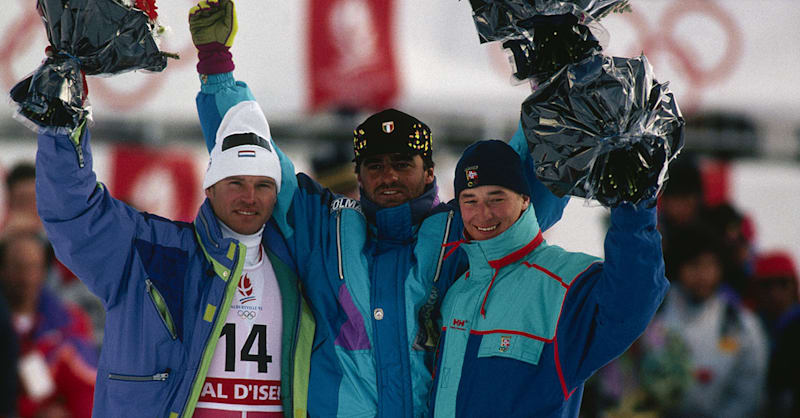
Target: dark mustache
[{"x": 389, "y": 186}]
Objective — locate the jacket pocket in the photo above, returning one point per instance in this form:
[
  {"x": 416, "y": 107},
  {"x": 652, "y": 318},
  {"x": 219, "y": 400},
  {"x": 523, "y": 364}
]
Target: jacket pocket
[
  {"x": 511, "y": 345},
  {"x": 136, "y": 378},
  {"x": 131, "y": 394},
  {"x": 161, "y": 307}
]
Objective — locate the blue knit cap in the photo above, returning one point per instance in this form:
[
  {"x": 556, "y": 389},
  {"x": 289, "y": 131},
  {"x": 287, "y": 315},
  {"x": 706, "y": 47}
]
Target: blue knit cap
[{"x": 490, "y": 163}]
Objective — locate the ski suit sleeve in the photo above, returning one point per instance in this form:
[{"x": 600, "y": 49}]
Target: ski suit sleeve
[
  {"x": 92, "y": 233},
  {"x": 547, "y": 206},
  {"x": 608, "y": 306},
  {"x": 218, "y": 93}
]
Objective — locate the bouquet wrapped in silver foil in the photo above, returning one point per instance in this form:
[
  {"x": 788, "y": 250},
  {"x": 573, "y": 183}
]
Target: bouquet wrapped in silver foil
[
  {"x": 87, "y": 37},
  {"x": 603, "y": 129},
  {"x": 500, "y": 20},
  {"x": 597, "y": 127}
]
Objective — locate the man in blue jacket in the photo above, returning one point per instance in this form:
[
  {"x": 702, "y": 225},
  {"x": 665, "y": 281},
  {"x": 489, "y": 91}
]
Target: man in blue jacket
[
  {"x": 375, "y": 269},
  {"x": 529, "y": 322},
  {"x": 204, "y": 318}
]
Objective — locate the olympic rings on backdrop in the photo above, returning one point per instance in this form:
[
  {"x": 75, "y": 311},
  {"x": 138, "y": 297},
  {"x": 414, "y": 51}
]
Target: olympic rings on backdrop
[{"x": 659, "y": 38}]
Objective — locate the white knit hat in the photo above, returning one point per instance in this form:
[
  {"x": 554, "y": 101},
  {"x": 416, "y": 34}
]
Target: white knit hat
[{"x": 243, "y": 147}]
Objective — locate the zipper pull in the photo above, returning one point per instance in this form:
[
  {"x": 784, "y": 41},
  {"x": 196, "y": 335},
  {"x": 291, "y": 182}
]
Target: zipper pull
[{"x": 161, "y": 376}]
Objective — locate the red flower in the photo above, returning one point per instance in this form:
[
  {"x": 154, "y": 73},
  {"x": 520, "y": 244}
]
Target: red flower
[{"x": 149, "y": 7}]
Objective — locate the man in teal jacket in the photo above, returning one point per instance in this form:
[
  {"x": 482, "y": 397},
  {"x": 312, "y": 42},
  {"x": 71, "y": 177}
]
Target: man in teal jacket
[
  {"x": 173, "y": 290},
  {"x": 530, "y": 322},
  {"x": 374, "y": 269}
]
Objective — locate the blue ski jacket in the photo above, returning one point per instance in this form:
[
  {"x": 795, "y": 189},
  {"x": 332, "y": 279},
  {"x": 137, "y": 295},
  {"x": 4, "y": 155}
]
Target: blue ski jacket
[
  {"x": 374, "y": 276},
  {"x": 529, "y": 322},
  {"x": 166, "y": 286}
]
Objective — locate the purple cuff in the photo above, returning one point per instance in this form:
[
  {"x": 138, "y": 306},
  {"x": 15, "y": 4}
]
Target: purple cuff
[{"x": 214, "y": 58}]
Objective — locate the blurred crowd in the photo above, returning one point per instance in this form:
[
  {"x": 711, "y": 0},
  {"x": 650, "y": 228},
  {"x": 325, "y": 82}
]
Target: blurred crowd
[
  {"x": 51, "y": 324},
  {"x": 723, "y": 341},
  {"x": 722, "y": 345}
]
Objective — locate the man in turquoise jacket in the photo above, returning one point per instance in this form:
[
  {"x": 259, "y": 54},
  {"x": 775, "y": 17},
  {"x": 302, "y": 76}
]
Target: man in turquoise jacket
[
  {"x": 375, "y": 269},
  {"x": 530, "y": 322},
  {"x": 172, "y": 290}
]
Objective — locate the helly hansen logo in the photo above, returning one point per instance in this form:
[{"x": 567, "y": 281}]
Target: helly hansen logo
[{"x": 459, "y": 324}]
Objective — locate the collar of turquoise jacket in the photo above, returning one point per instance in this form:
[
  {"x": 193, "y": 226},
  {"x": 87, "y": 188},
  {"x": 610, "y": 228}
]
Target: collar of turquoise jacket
[
  {"x": 510, "y": 246},
  {"x": 491, "y": 255},
  {"x": 396, "y": 224},
  {"x": 209, "y": 233}
]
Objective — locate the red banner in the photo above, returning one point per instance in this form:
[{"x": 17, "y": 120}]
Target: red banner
[
  {"x": 156, "y": 181},
  {"x": 351, "y": 54}
]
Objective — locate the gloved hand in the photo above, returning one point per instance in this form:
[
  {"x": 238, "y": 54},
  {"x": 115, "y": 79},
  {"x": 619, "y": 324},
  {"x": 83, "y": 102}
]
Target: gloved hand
[{"x": 213, "y": 26}]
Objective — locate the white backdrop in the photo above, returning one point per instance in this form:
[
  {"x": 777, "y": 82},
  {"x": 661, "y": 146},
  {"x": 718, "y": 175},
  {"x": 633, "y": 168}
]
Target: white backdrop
[{"x": 738, "y": 55}]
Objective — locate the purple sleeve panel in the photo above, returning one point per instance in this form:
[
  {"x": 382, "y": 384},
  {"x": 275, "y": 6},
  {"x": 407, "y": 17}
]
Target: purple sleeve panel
[{"x": 353, "y": 334}]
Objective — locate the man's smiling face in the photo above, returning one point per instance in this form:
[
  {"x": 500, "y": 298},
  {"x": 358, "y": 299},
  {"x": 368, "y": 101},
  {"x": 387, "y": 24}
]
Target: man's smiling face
[
  {"x": 390, "y": 180},
  {"x": 488, "y": 211},
  {"x": 243, "y": 203}
]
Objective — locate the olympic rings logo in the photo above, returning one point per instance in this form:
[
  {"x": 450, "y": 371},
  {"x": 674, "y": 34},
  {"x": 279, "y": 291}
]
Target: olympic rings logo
[
  {"x": 246, "y": 314},
  {"x": 659, "y": 40},
  {"x": 27, "y": 33}
]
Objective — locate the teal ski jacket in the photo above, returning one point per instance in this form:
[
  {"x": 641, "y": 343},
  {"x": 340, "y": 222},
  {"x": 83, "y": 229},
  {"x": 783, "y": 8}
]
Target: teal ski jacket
[{"x": 529, "y": 322}]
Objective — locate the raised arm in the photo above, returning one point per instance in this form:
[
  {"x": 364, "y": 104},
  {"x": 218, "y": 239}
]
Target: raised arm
[
  {"x": 609, "y": 306},
  {"x": 92, "y": 233},
  {"x": 548, "y": 207}
]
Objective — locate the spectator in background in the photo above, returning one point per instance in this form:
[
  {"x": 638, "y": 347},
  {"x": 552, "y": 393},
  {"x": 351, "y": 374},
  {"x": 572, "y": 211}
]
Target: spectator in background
[
  {"x": 736, "y": 234},
  {"x": 728, "y": 348},
  {"x": 21, "y": 216},
  {"x": 333, "y": 169},
  {"x": 774, "y": 289},
  {"x": 682, "y": 201},
  {"x": 647, "y": 381},
  {"x": 21, "y": 199},
  {"x": 9, "y": 351},
  {"x": 57, "y": 356},
  {"x": 783, "y": 379}
]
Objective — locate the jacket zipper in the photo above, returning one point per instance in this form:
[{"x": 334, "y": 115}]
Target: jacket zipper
[
  {"x": 339, "y": 243},
  {"x": 444, "y": 241},
  {"x": 223, "y": 308},
  {"x": 161, "y": 307},
  {"x": 293, "y": 348},
  {"x": 208, "y": 231},
  {"x": 156, "y": 377}
]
